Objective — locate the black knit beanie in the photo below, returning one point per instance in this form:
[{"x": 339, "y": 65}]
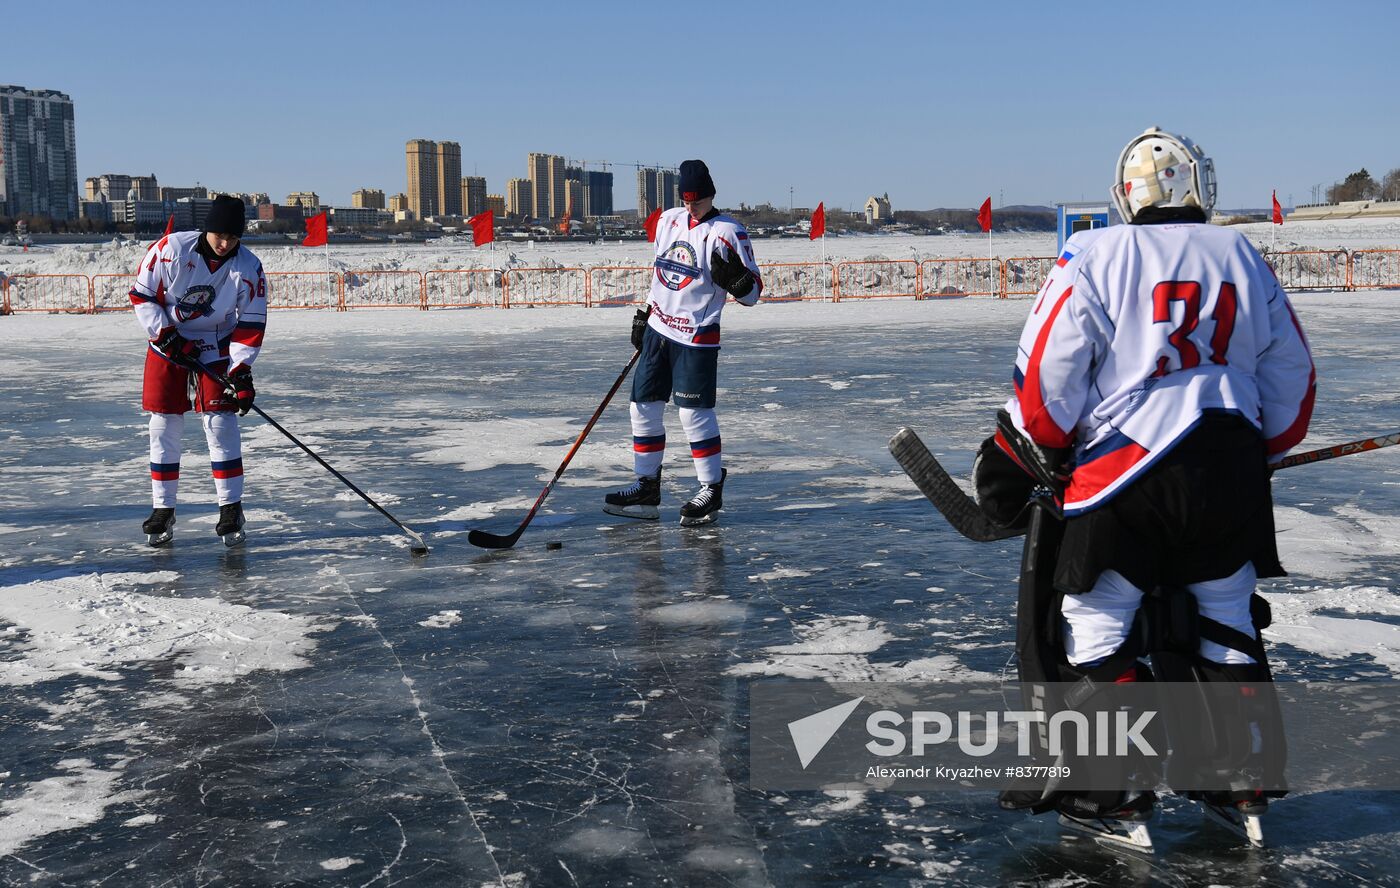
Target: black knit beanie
[
  {"x": 225, "y": 216},
  {"x": 696, "y": 183}
]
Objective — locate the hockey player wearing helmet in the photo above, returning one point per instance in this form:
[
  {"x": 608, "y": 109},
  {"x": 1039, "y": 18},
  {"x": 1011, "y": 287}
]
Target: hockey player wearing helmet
[{"x": 1161, "y": 371}]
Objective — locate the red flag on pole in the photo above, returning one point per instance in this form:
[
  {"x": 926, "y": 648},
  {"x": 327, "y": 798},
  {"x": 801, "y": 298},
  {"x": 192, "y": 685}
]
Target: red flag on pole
[
  {"x": 315, "y": 231},
  {"x": 650, "y": 223},
  {"x": 1278, "y": 210},
  {"x": 483, "y": 228},
  {"x": 984, "y": 215},
  {"x": 170, "y": 224},
  {"x": 818, "y": 222}
]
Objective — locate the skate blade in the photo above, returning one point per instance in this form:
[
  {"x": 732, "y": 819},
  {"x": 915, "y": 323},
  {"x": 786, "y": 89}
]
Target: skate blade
[
  {"x": 1247, "y": 826},
  {"x": 646, "y": 513},
  {"x": 160, "y": 540},
  {"x": 1132, "y": 837},
  {"x": 701, "y": 521},
  {"x": 232, "y": 540}
]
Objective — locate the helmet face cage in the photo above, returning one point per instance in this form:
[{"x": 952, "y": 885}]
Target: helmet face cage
[{"x": 1161, "y": 169}]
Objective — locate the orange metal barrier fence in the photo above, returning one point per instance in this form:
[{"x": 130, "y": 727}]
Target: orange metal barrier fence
[
  {"x": 382, "y": 289},
  {"x": 546, "y": 286},
  {"x": 1374, "y": 270},
  {"x": 71, "y": 293},
  {"x": 1025, "y": 275},
  {"x": 111, "y": 292},
  {"x": 798, "y": 281},
  {"x": 942, "y": 278},
  {"x": 464, "y": 288},
  {"x": 304, "y": 289},
  {"x": 619, "y": 284},
  {"x": 876, "y": 279},
  {"x": 1310, "y": 269}
]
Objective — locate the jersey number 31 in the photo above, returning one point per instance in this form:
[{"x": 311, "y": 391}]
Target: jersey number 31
[{"x": 1189, "y": 292}]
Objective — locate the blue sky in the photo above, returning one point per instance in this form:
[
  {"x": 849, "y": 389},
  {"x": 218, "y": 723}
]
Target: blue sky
[{"x": 940, "y": 104}]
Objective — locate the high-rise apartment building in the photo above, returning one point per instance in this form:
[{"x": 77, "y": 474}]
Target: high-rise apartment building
[
  {"x": 422, "y": 178},
  {"x": 368, "y": 198},
  {"x": 309, "y": 201},
  {"x": 473, "y": 195},
  {"x": 398, "y": 202},
  {"x": 668, "y": 186},
  {"x": 38, "y": 153},
  {"x": 520, "y": 198},
  {"x": 547, "y": 178},
  {"x": 449, "y": 178},
  {"x": 573, "y": 199},
  {"x": 119, "y": 186},
  {"x": 196, "y": 192},
  {"x": 657, "y": 189},
  {"x": 496, "y": 203},
  {"x": 597, "y": 193}
]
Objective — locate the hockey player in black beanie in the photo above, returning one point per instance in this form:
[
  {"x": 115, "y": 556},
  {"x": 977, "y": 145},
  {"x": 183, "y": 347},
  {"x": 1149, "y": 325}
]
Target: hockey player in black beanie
[
  {"x": 225, "y": 216},
  {"x": 696, "y": 183}
]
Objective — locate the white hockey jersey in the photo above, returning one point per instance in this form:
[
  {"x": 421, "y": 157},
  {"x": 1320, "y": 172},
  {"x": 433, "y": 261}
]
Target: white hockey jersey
[
  {"x": 223, "y": 308},
  {"x": 1141, "y": 328},
  {"x": 685, "y": 302}
]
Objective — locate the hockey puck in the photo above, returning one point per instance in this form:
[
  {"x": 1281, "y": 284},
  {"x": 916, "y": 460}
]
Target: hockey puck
[
  {"x": 418, "y": 550},
  {"x": 554, "y": 545}
]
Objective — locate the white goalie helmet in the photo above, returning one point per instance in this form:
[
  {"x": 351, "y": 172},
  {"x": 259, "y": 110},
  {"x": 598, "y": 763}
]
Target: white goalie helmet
[{"x": 1160, "y": 169}]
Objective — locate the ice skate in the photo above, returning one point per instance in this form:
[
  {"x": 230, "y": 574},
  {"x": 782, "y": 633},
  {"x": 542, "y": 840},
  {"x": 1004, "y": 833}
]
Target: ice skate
[
  {"x": 1243, "y": 818},
  {"x": 230, "y": 526},
  {"x": 641, "y": 500},
  {"x": 1125, "y": 827},
  {"x": 704, "y": 507},
  {"x": 159, "y": 528}
]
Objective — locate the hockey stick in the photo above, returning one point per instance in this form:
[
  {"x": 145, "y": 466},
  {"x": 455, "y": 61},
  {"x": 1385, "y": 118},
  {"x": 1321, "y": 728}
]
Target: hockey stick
[
  {"x": 495, "y": 541},
  {"x": 1337, "y": 450},
  {"x": 960, "y": 510},
  {"x": 418, "y": 547},
  {"x": 968, "y": 519}
]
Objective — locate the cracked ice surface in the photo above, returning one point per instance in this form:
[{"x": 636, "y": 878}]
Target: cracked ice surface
[{"x": 322, "y": 709}]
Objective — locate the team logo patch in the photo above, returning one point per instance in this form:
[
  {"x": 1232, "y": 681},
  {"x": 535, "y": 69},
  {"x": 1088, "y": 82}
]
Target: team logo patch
[
  {"x": 677, "y": 267},
  {"x": 198, "y": 302}
]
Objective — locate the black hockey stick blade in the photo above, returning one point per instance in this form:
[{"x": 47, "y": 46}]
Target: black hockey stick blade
[
  {"x": 960, "y": 510},
  {"x": 484, "y": 540}
]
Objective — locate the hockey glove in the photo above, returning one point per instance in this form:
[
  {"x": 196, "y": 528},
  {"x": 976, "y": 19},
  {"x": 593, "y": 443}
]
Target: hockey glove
[
  {"x": 176, "y": 347},
  {"x": 639, "y": 326},
  {"x": 242, "y": 393},
  {"x": 731, "y": 274},
  {"x": 1003, "y": 487}
]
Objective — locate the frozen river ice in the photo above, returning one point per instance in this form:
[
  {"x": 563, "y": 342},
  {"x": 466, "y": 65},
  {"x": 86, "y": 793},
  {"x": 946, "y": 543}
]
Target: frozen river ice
[{"x": 322, "y": 709}]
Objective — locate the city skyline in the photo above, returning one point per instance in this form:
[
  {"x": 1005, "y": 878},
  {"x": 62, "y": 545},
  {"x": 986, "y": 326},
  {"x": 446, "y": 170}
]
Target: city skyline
[{"x": 938, "y": 105}]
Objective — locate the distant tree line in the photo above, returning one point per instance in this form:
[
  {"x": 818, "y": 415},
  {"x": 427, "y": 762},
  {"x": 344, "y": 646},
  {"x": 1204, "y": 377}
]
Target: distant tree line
[{"x": 1360, "y": 185}]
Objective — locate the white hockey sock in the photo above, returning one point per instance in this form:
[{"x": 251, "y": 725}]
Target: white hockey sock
[
  {"x": 1097, "y": 623},
  {"x": 225, "y": 455},
  {"x": 648, "y": 437},
  {"x": 165, "y": 430},
  {"x": 1226, "y": 600},
  {"x": 702, "y": 431}
]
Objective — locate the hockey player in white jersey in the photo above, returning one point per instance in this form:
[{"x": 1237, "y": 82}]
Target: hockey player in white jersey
[
  {"x": 1161, "y": 370},
  {"x": 200, "y": 297},
  {"x": 703, "y": 257}
]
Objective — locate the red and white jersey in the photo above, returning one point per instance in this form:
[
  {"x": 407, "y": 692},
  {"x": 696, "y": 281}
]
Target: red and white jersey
[
  {"x": 1141, "y": 328},
  {"x": 222, "y": 305},
  {"x": 685, "y": 302}
]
